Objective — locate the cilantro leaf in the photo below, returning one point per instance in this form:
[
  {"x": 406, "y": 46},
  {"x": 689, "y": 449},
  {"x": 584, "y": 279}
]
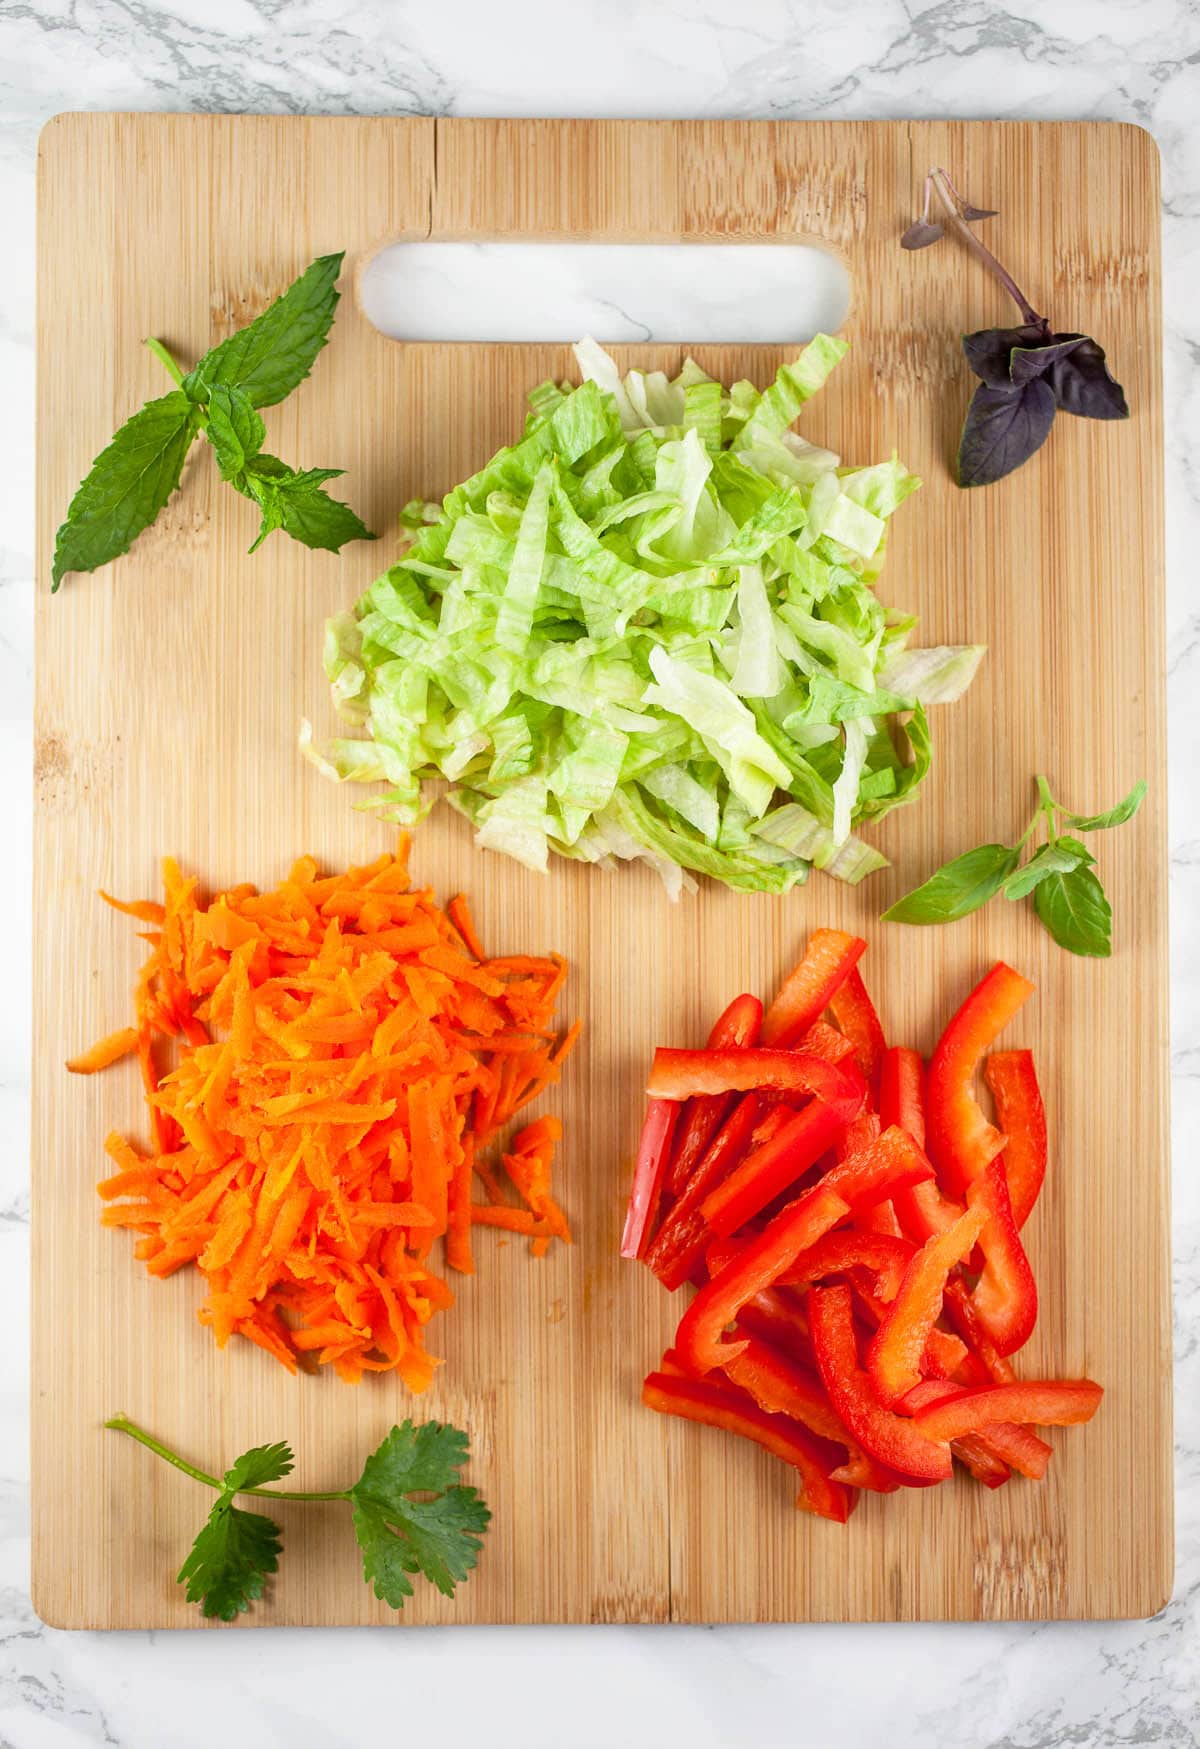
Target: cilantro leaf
[
  {"x": 398, "y": 1535},
  {"x": 126, "y": 486},
  {"x": 958, "y": 887},
  {"x": 234, "y": 429},
  {"x": 230, "y": 1560},
  {"x": 1076, "y": 912},
  {"x": 295, "y": 500},
  {"x": 258, "y": 1466},
  {"x": 277, "y": 350}
]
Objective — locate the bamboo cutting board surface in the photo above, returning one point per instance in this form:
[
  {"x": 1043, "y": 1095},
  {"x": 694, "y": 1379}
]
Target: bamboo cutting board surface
[{"x": 168, "y": 696}]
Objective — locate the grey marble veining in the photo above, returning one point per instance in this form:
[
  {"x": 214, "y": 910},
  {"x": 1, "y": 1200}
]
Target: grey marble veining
[{"x": 1091, "y": 1686}]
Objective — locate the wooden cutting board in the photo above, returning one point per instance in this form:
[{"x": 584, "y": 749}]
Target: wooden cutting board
[{"x": 168, "y": 696}]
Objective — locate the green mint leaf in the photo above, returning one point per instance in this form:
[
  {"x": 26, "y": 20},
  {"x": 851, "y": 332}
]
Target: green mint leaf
[
  {"x": 1057, "y": 858},
  {"x": 1117, "y": 816},
  {"x": 957, "y": 888},
  {"x": 1076, "y": 912},
  {"x": 296, "y": 502},
  {"x": 234, "y": 429},
  {"x": 258, "y": 1466},
  {"x": 267, "y": 359},
  {"x": 399, "y": 1536},
  {"x": 126, "y": 487},
  {"x": 231, "y": 1558}
]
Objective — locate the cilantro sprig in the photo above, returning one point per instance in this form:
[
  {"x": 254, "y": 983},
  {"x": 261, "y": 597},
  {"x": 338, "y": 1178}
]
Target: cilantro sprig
[
  {"x": 132, "y": 479},
  {"x": 1060, "y": 877},
  {"x": 438, "y": 1534}
]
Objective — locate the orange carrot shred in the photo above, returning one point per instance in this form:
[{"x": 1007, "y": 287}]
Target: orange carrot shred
[{"x": 343, "y": 1055}]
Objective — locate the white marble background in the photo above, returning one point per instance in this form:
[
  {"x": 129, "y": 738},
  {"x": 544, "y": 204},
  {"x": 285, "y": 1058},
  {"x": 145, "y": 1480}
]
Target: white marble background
[{"x": 1088, "y": 1686}]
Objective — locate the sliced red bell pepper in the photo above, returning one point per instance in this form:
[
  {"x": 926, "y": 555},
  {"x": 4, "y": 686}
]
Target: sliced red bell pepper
[
  {"x": 865, "y": 1129},
  {"x": 769, "y": 1169},
  {"x": 679, "y": 1243},
  {"x": 1005, "y": 1296},
  {"x": 823, "y": 1040},
  {"x": 855, "y": 1014},
  {"x": 740, "y": 1024},
  {"x": 811, "y": 985},
  {"x": 781, "y": 1386},
  {"x": 1013, "y": 1444},
  {"x": 960, "y": 1139},
  {"x": 718, "y": 1405},
  {"x": 779, "y": 1318},
  {"x": 877, "y": 1171},
  {"x": 921, "y": 1209},
  {"x": 898, "y": 1346},
  {"x": 681, "y": 1074},
  {"x": 975, "y": 1450},
  {"x": 756, "y": 1266},
  {"x": 890, "y": 1438},
  {"x": 1022, "y": 1116},
  {"x": 987, "y": 1364},
  {"x": 648, "y": 1173},
  {"x": 1047, "y": 1403},
  {"x": 944, "y": 1354},
  {"x": 885, "y": 1256}
]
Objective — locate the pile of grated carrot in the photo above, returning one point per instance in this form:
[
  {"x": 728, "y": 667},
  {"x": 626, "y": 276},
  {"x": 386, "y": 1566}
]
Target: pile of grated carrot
[{"x": 346, "y": 1054}]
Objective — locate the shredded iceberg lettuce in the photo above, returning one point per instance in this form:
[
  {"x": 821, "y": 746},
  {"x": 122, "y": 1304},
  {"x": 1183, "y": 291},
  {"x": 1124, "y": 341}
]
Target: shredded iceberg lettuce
[{"x": 648, "y": 631}]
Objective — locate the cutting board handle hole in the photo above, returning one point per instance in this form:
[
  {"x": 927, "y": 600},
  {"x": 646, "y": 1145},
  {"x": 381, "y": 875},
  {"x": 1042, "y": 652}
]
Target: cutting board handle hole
[{"x": 774, "y": 294}]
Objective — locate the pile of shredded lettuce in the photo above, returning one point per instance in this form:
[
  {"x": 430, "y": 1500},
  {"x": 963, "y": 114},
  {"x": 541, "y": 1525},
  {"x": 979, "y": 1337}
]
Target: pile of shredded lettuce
[{"x": 648, "y": 630}]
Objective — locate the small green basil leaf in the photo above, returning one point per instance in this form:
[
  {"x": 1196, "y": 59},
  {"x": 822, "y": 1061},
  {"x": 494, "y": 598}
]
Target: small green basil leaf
[
  {"x": 958, "y": 887},
  {"x": 1114, "y": 817},
  {"x": 1058, "y": 858},
  {"x": 1076, "y": 912}
]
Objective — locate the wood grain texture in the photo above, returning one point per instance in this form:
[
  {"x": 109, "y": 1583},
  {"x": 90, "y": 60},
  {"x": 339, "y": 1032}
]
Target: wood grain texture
[{"x": 169, "y": 690}]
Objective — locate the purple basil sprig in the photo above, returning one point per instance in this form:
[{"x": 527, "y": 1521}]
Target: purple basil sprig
[{"x": 1027, "y": 373}]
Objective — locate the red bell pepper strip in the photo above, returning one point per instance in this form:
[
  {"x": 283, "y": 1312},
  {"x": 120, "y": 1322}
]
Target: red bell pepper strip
[
  {"x": 855, "y": 1014},
  {"x": 1048, "y": 1403},
  {"x": 679, "y": 1243},
  {"x": 769, "y": 1169},
  {"x": 944, "y": 1354},
  {"x": 680, "y": 1074},
  {"x": 811, "y": 985},
  {"x": 823, "y": 1040},
  {"x": 921, "y": 1209},
  {"x": 960, "y": 1139},
  {"x": 1022, "y": 1116},
  {"x": 1015, "y": 1445},
  {"x": 779, "y": 1318},
  {"x": 782, "y": 1387},
  {"x": 858, "y": 1135},
  {"x": 1005, "y": 1296},
  {"x": 756, "y": 1266},
  {"x": 648, "y": 1174},
  {"x": 898, "y": 1346},
  {"x": 890, "y": 1438},
  {"x": 976, "y": 1450},
  {"x": 875, "y": 1173},
  {"x": 885, "y": 1256},
  {"x": 985, "y": 1362},
  {"x": 717, "y": 1405},
  {"x": 739, "y": 1025}
]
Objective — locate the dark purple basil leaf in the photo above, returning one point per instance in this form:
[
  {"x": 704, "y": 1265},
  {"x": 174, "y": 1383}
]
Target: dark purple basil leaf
[
  {"x": 1004, "y": 427},
  {"x": 978, "y": 212},
  {"x": 920, "y": 234},
  {"x": 1084, "y": 385},
  {"x": 1034, "y": 361},
  {"x": 989, "y": 352}
]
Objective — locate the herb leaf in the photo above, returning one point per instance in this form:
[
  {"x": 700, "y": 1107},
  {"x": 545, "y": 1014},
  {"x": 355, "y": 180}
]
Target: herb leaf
[
  {"x": 399, "y": 1535},
  {"x": 958, "y": 887},
  {"x": 920, "y": 234},
  {"x": 235, "y": 1551},
  {"x": 1003, "y": 428},
  {"x": 1057, "y": 858},
  {"x": 1124, "y": 810},
  {"x": 126, "y": 486},
  {"x": 277, "y": 350},
  {"x": 295, "y": 500},
  {"x": 989, "y": 352},
  {"x": 1028, "y": 362},
  {"x": 1084, "y": 385},
  {"x": 234, "y": 429},
  {"x": 258, "y": 1466},
  {"x": 1076, "y": 912}
]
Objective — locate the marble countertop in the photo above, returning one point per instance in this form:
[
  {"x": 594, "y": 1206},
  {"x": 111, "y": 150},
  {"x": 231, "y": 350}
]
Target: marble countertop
[{"x": 1091, "y": 1686}]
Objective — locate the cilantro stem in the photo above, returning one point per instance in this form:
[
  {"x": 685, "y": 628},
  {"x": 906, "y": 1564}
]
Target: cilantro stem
[
  {"x": 164, "y": 358},
  {"x": 941, "y": 182},
  {"x": 122, "y": 1424}
]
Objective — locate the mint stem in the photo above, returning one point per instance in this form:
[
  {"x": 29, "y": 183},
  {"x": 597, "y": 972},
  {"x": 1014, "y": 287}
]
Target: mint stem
[
  {"x": 164, "y": 358},
  {"x": 943, "y": 186},
  {"x": 122, "y": 1424}
]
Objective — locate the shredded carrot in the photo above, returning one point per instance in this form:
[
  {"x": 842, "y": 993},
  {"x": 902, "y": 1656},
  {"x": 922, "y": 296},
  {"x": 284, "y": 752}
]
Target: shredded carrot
[{"x": 344, "y": 1055}]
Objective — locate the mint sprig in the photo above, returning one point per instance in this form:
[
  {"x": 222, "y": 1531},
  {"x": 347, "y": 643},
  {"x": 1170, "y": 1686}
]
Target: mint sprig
[
  {"x": 438, "y": 1535},
  {"x": 133, "y": 478},
  {"x": 1060, "y": 877}
]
